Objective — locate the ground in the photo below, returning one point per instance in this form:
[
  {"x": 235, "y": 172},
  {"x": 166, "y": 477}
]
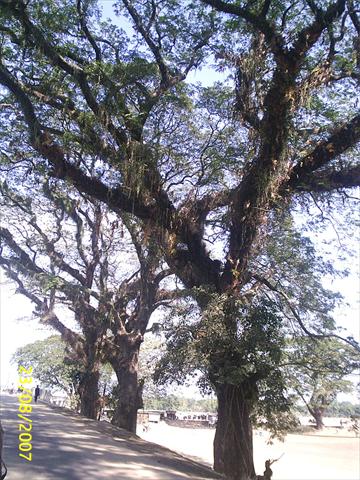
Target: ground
[
  {"x": 69, "y": 447},
  {"x": 329, "y": 455}
]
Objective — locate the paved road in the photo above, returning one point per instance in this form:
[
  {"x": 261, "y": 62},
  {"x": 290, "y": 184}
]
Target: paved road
[{"x": 69, "y": 447}]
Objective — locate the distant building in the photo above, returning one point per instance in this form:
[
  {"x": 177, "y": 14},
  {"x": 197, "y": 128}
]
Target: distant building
[{"x": 173, "y": 417}]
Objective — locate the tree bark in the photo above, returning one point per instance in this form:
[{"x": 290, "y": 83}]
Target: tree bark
[
  {"x": 318, "y": 415},
  {"x": 233, "y": 443},
  {"x": 89, "y": 393},
  {"x": 129, "y": 399}
]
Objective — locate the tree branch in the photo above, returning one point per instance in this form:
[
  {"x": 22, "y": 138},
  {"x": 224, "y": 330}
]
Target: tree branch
[
  {"x": 328, "y": 180},
  {"x": 312, "y": 335},
  {"x": 18, "y": 9},
  {"x": 86, "y": 31},
  {"x": 164, "y": 70},
  {"x": 47, "y": 316},
  {"x": 309, "y": 35},
  {"x": 337, "y": 143},
  {"x": 259, "y": 22}
]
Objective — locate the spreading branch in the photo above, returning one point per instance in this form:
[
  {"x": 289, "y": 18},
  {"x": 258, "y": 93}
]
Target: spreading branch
[
  {"x": 312, "y": 335},
  {"x": 337, "y": 143}
]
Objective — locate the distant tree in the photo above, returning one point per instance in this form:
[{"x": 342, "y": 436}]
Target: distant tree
[
  {"x": 153, "y": 395},
  {"x": 56, "y": 366},
  {"x": 343, "y": 409},
  {"x": 319, "y": 373},
  {"x": 52, "y": 364}
]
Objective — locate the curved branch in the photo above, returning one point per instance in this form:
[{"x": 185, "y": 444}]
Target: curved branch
[
  {"x": 86, "y": 31},
  {"x": 337, "y": 143},
  {"x": 311, "y": 33},
  {"x": 327, "y": 180},
  {"x": 312, "y": 335},
  {"x": 259, "y": 22},
  {"x": 47, "y": 315}
]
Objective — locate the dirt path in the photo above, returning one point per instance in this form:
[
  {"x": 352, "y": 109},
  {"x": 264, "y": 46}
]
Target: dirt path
[{"x": 305, "y": 457}]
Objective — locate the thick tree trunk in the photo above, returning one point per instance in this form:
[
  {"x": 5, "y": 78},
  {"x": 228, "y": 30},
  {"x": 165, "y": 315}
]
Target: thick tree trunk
[
  {"x": 318, "y": 415},
  {"x": 129, "y": 399},
  {"x": 233, "y": 444},
  {"x": 89, "y": 393}
]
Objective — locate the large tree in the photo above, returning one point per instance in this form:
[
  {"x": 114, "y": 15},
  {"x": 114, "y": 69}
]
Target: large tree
[
  {"x": 270, "y": 344},
  {"x": 177, "y": 157},
  {"x": 55, "y": 251},
  {"x": 66, "y": 253}
]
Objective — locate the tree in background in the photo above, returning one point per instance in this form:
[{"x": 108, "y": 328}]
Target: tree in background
[
  {"x": 56, "y": 366},
  {"x": 56, "y": 248},
  {"x": 52, "y": 363},
  {"x": 206, "y": 169},
  {"x": 63, "y": 251},
  {"x": 319, "y": 371},
  {"x": 136, "y": 300},
  {"x": 341, "y": 409},
  {"x": 153, "y": 395}
]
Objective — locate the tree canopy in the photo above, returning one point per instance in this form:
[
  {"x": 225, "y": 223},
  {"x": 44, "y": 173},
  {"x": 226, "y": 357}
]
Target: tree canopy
[
  {"x": 70, "y": 255},
  {"x": 52, "y": 364},
  {"x": 319, "y": 371},
  {"x": 211, "y": 172}
]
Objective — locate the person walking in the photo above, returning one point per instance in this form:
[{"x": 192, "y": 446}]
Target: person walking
[{"x": 37, "y": 393}]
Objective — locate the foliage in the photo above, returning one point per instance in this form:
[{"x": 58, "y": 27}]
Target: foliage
[
  {"x": 55, "y": 366},
  {"x": 335, "y": 409},
  {"x": 51, "y": 364},
  {"x": 253, "y": 351},
  {"x": 263, "y": 336},
  {"x": 180, "y": 404},
  {"x": 150, "y": 354},
  {"x": 318, "y": 370}
]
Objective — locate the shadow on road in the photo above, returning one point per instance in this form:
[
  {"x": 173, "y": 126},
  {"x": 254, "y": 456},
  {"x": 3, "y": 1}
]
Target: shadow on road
[{"x": 68, "y": 446}]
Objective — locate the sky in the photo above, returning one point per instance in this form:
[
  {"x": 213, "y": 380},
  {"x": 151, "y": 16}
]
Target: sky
[{"x": 17, "y": 330}]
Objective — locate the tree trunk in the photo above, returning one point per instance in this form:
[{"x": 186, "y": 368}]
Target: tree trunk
[
  {"x": 129, "y": 396},
  {"x": 233, "y": 444},
  {"x": 318, "y": 415},
  {"x": 89, "y": 393}
]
